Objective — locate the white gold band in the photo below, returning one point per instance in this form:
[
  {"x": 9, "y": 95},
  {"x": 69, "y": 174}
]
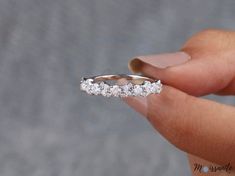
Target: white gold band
[{"x": 128, "y": 85}]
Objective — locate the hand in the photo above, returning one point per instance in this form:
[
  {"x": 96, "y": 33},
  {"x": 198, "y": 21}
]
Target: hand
[{"x": 200, "y": 127}]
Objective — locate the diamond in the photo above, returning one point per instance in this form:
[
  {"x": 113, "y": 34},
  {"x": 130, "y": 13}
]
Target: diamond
[
  {"x": 87, "y": 85},
  {"x": 83, "y": 86},
  {"x": 156, "y": 87},
  {"x": 138, "y": 90},
  {"x": 105, "y": 89},
  {"x": 115, "y": 90},
  {"x": 159, "y": 86},
  {"x": 126, "y": 90},
  {"x": 95, "y": 89},
  {"x": 89, "y": 80},
  {"x": 147, "y": 87}
]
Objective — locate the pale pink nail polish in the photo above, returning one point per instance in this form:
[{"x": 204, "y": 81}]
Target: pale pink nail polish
[{"x": 160, "y": 61}]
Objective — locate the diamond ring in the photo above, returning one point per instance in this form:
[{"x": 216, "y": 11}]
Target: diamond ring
[{"x": 124, "y": 86}]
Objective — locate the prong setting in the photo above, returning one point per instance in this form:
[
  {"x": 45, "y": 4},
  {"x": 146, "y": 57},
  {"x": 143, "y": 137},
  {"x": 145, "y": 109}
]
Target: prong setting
[{"x": 102, "y": 88}]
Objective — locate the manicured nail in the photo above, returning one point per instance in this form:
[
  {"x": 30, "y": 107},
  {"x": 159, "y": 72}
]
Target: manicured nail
[{"x": 160, "y": 61}]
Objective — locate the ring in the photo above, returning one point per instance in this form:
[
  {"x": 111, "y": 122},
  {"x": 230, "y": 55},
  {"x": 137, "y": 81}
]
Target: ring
[{"x": 124, "y": 86}]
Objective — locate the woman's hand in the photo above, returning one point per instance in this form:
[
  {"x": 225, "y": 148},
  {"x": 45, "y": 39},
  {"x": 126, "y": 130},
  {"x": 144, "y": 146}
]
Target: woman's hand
[{"x": 197, "y": 126}]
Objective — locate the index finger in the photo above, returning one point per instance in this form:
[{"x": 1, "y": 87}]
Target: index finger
[{"x": 201, "y": 76}]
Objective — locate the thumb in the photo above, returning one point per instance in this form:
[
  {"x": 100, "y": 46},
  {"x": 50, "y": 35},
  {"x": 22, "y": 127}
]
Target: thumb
[{"x": 198, "y": 126}]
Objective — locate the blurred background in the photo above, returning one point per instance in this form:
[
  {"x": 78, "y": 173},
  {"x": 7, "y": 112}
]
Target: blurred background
[{"x": 47, "y": 126}]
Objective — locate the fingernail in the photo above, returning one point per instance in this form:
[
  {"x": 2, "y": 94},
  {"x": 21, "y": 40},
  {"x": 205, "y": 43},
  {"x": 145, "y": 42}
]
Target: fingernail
[{"x": 160, "y": 61}]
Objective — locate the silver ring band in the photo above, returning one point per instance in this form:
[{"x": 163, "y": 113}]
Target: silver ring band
[{"x": 124, "y": 86}]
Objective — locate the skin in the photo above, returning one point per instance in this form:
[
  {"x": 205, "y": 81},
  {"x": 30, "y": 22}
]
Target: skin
[{"x": 202, "y": 128}]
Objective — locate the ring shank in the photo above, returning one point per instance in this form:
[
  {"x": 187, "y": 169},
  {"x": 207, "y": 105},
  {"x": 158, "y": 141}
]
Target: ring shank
[{"x": 122, "y": 76}]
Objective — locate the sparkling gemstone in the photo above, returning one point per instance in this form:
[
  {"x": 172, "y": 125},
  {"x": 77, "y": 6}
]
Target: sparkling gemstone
[
  {"x": 83, "y": 86},
  {"x": 95, "y": 89},
  {"x": 156, "y": 87},
  {"x": 105, "y": 89},
  {"x": 89, "y": 80},
  {"x": 138, "y": 90},
  {"x": 159, "y": 86},
  {"x": 102, "y": 86},
  {"x": 147, "y": 87},
  {"x": 88, "y": 86},
  {"x": 126, "y": 90},
  {"x": 115, "y": 90}
]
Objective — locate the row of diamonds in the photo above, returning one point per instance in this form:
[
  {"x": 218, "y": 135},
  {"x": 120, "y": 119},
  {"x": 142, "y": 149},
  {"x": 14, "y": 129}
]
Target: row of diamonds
[{"x": 129, "y": 89}]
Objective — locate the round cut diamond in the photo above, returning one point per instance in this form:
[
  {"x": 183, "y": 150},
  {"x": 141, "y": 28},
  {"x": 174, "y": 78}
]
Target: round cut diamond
[
  {"x": 159, "y": 86},
  {"x": 115, "y": 90},
  {"x": 147, "y": 87},
  {"x": 95, "y": 89},
  {"x": 126, "y": 90},
  {"x": 138, "y": 90},
  {"x": 83, "y": 86},
  {"x": 88, "y": 85},
  {"x": 105, "y": 89},
  {"x": 156, "y": 87},
  {"x": 89, "y": 81}
]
